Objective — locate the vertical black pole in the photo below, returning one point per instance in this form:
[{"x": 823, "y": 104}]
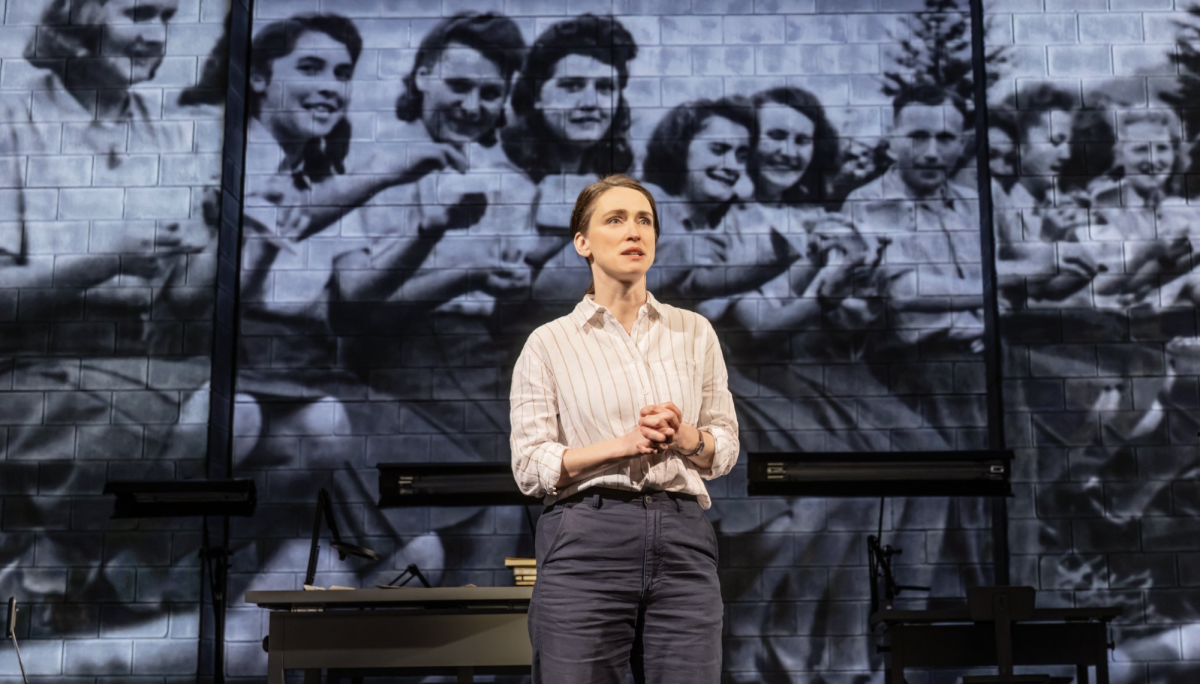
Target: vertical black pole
[
  {"x": 233, "y": 157},
  {"x": 225, "y": 323},
  {"x": 220, "y": 602},
  {"x": 991, "y": 318}
]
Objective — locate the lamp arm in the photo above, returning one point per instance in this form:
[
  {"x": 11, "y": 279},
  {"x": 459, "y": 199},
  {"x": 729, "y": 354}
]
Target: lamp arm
[
  {"x": 315, "y": 550},
  {"x": 325, "y": 504}
]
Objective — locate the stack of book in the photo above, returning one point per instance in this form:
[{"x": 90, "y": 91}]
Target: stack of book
[{"x": 524, "y": 570}]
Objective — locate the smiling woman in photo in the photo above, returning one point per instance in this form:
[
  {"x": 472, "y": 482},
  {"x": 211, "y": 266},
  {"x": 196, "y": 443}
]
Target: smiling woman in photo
[
  {"x": 300, "y": 74},
  {"x": 570, "y": 100},
  {"x": 453, "y": 96},
  {"x": 453, "y": 101},
  {"x": 297, "y": 140},
  {"x": 698, "y": 156},
  {"x": 696, "y": 164},
  {"x": 572, "y": 119},
  {"x": 461, "y": 78},
  {"x": 104, "y": 293},
  {"x": 796, "y": 146}
]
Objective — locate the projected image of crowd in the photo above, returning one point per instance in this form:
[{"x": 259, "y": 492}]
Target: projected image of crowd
[
  {"x": 109, "y": 166},
  {"x": 838, "y": 270},
  {"x": 1097, "y": 283},
  {"x": 403, "y": 238},
  {"x": 405, "y": 229}
]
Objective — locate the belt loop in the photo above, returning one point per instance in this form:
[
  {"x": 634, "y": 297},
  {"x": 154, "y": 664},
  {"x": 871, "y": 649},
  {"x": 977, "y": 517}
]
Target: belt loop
[
  {"x": 595, "y": 500},
  {"x": 678, "y": 504}
]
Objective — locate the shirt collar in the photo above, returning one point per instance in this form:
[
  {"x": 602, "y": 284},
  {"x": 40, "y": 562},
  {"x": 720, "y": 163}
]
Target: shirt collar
[
  {"x": 587, "y": 309},
  {"x": 894, "y": 188}
]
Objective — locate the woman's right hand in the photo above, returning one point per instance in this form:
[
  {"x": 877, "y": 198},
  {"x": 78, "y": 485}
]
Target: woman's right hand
[{"x": 634, "y": 444}]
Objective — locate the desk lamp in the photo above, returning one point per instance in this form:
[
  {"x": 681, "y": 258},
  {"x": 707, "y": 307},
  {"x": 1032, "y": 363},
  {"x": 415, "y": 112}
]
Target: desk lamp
[{"x": 325, "y": 512}]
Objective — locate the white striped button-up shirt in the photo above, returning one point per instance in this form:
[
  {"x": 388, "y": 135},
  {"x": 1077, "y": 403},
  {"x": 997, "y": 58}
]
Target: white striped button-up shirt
[{"x": 582, "y": 379}]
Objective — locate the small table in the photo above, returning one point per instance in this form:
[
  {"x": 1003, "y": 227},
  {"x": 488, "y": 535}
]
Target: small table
[
  {"x": 416, "y": 629},
  {"x": 949, "y": 638}
]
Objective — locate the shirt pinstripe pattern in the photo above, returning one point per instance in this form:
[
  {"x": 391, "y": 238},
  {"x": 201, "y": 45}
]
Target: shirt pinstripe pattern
[{"x": 581, "y": 379}]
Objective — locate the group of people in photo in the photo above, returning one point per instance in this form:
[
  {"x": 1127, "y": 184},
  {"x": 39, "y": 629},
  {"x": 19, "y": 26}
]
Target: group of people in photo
[
  {"x": 1097, "y": 291},
  {"x": 108, "y": 225},
  {"x": 103, "y": 271},
  {"x": 1093, "y": 234},
  {"x": 391, "y": 275},
  {"x": 401, "y": 242},
  {"x": 441, "y": 242}
]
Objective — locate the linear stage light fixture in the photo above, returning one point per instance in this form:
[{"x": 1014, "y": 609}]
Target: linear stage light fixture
[
  {"x": 986, "y": 473},
  {"x": 182, "y": 498},
  {"x": 449, "y": 484},
  {"x": 913, "y": 473}
]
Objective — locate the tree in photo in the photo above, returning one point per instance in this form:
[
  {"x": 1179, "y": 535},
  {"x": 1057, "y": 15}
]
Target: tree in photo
[{"x": 935, "y": 50}]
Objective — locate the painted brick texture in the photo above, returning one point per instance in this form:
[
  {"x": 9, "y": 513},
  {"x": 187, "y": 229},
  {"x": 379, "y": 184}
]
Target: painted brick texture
[
  {"x": 108, "y": 142},
  {"x": 351, "y": 357},
  {"x": 1097, "y": 384},
  {"x": 388, "y": 331},
  {"x": 380, "y": 320}
]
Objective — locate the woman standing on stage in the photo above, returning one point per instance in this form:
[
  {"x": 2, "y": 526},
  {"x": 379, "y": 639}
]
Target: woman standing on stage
[{"x": 620, "y": 411}]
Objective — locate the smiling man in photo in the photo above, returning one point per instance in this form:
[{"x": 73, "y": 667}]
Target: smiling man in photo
[{"x": 924, "y": 289}]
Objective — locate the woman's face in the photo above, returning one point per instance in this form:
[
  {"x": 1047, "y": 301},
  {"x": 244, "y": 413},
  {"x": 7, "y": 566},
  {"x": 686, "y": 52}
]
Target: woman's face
[
  {"x": 309, "y": 89},
  {"x": 579, "y": 99},
  {"x": 135, "y": 35},
  {"x": 1047, "y": 145},
  {"x": 620, "y": 235},
  {"x": 1146, "y": 152},
  {"x": 785, "y": 147},
  {"x": 462, "y": 95},
  {"x": 716, "y": 160}
]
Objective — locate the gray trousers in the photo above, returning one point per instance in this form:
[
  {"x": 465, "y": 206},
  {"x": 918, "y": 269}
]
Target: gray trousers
[{"x": 626, "y": 580}]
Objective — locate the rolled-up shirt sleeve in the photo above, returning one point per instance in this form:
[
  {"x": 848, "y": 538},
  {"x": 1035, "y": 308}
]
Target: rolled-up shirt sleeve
[
  {"x": 717, "y": 415},
  {"x": 536, "y": 451}
]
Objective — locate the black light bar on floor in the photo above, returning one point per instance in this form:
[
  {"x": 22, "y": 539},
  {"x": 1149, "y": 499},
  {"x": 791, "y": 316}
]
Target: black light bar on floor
[
  {"x": 449, "y": 484},
  {"x": 182, "y": 498},
  {"x": 913, "y": 473}
]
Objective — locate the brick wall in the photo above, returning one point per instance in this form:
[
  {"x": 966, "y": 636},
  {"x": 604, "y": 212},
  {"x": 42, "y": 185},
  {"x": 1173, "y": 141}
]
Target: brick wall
[
  {"x": 1093, "y": 522},
  {"x": 1096, "y": 390},
  {"x": 338, "y": 372},
  {"x": 322, "y": 402},
  {"x": 105, "y": 327}
]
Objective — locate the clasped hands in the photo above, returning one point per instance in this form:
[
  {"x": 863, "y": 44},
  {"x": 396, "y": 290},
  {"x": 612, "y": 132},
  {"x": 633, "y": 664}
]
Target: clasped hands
[{"x": 660, "y": 427}]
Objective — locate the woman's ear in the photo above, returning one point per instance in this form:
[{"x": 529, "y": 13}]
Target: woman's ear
[{"x": 582, "y": 247}]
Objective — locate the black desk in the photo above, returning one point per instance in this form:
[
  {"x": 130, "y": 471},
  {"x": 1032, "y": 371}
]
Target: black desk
[
  {"x": 414, "y": 629},
  {"x": 948, "y": 638}
]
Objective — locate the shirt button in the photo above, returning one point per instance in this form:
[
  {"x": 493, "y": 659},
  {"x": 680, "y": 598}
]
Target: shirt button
[{"x": 645, "y": 391}]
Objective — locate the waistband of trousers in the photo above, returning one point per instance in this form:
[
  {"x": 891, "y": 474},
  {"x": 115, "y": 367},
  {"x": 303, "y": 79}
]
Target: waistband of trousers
[{"x": 598, "y": 496}]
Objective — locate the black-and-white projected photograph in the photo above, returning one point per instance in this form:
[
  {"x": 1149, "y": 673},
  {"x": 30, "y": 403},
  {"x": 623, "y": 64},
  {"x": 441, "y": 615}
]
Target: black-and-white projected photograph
[
  {"x": 111, "y": 120},
  {"x": 1095, "y": 271},
  {"x": 409, "y": 191},
  {"x": 405, "y": 187}
]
